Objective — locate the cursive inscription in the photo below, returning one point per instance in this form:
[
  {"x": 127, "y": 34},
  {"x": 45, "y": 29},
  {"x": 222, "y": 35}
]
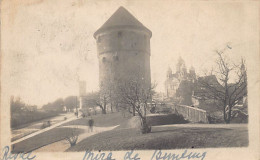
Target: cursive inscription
[
  {"x": 159, "y": 155},
  {"x": 7, "y": 155},
  {"x": 130, "y": 156},
  {"x": 100, "y": 156}
]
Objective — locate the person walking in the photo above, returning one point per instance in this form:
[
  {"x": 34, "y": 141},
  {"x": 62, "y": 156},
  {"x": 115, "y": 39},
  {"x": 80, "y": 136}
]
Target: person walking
[{"x": 90, "y": 124}]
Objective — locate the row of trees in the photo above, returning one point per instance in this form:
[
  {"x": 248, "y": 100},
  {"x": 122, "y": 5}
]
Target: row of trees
[
  {"x": 22, "y": 113},
  {"x": 17, "y": 105},
  {"x": 71, "y": 102},
  {"x": 132, "y": 95}
]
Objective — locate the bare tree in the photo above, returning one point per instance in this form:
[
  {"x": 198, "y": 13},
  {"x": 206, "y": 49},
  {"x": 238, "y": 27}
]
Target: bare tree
[
  {"x": 107, "y": 96},
  {"x": 102, "y": 100},
  {"x": 229, "y": 94},
  {"x": 136, "y": 94}
]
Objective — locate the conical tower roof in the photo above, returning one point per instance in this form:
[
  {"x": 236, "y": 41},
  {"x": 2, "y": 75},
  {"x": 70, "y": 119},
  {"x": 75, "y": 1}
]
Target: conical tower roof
[{"x": 122, "y": 19}]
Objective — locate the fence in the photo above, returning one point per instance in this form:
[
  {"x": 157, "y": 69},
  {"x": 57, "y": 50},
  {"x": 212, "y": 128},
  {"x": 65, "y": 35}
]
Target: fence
[{"x": 191, "y": 113}]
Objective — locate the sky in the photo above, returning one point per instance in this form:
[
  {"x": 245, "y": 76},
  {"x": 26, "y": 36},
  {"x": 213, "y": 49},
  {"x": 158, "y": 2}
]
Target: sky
[{"x": 48, "y": 46}]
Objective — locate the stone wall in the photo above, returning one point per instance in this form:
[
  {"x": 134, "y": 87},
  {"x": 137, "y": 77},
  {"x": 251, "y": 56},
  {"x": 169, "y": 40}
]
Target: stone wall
[{"x": 191, "y": 113}]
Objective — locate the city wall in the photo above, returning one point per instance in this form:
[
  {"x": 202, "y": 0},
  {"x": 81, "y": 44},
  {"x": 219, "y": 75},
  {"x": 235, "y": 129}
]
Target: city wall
[{"x": 192, "y": 114}]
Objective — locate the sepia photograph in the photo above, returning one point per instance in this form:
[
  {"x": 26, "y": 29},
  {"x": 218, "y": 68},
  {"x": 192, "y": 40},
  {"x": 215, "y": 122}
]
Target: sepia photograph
[{"x": 85, "y": 75}]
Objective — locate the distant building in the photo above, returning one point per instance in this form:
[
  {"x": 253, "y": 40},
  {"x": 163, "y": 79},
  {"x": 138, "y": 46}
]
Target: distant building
[
  {"x": 82, "y": 93},
  {"x": 181, "y": 83},
  {"x": 82, "y": 88},
  {"x": 200, "y": 91}
]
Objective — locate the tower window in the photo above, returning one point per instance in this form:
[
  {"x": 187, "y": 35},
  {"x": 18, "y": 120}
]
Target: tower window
[
  {"x": 104, "y": 59},
  {"x": 133, "y": 44},
  {"x": 116, "y": 58},
  {"x": 119, "y": 34}
]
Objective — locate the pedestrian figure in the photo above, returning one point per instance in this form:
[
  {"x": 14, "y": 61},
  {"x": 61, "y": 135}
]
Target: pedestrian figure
[{"x": 90, "y": 124}]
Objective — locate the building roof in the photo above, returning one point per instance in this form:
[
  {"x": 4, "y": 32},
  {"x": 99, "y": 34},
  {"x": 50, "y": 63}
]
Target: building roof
[
  {"x": 211, "y": 79},
  {"x": 123, "y": 19}
]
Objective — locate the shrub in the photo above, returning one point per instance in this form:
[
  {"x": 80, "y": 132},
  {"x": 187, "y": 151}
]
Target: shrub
[
  {"x": 146, "y": 129},
  {"x": 166, "y": 119},
  {"x": 46, "y": 124},
  {"x": 72, "y": 140},
  {"x": 163, "y": 110},
  {"x": 214, "y": 120},
  {"x": 152, "y": 110},
  {"x": 73, "y": 137}
]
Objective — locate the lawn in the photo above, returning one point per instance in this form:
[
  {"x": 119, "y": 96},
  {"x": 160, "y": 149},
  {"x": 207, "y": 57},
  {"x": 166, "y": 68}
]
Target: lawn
[
  {"x": 43, "y": 139},
  {"x": 101, "y": 120},
  {"x": 57, "y": 134},
  {"x": 165, "y": 138}
]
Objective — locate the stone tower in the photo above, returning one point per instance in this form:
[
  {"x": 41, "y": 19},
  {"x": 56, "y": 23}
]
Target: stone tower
[{"x": 123, "y": 46}]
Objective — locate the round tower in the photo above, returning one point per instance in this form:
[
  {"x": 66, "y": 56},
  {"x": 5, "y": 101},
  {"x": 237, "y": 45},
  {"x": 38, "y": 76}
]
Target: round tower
[{"x": 123, "y": 46}]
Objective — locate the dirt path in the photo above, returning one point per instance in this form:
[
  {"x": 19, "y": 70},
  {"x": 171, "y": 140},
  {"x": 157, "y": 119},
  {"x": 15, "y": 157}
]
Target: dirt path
[{"x": 63, "y": 145}]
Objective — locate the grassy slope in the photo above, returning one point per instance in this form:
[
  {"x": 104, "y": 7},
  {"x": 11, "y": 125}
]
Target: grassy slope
[
  {"x": 165, "y": 138},
  {"x": 58, "y": 134},
  {"x": 43, "y": 139},
  {"x": 24, "y": 119}
]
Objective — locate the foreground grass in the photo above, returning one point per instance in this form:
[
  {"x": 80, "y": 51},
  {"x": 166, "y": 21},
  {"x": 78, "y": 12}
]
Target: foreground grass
[
  {"x": 165, "y": 138},
  {"x": 43, "y": 139}
]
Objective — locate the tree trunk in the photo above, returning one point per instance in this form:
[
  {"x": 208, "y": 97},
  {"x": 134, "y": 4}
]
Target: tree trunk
[
  {"x": 104, "y": 111},
  {"x": 224, "y": 112},
  {"x": 129, "y": 110},
  {"x": 229, "y": 115},
  {"x": 133, "y": 110},
  {"x": 111, "y": 107},
  {"x": 145, "y": 106},
  {"x": 145, "y": 128},
  {"x": 117, "y": 109}
]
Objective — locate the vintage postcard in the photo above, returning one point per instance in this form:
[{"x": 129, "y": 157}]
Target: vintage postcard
[{"x": 129, "y": 80}]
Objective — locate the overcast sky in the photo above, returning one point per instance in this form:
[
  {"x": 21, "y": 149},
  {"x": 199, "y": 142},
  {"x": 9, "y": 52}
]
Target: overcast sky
[{"x": 49, "y": 45}]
